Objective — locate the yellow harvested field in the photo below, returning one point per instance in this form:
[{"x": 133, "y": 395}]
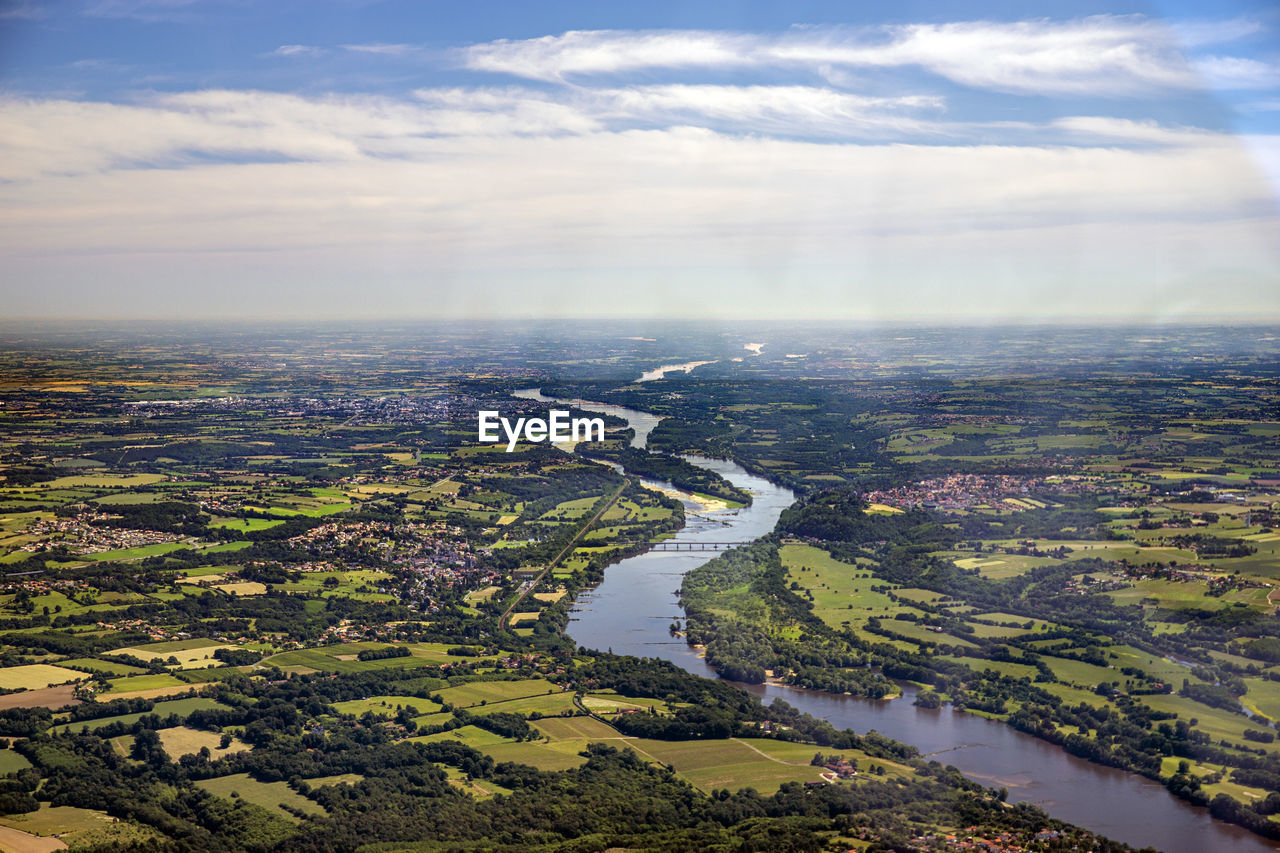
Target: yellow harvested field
[
  {"x": 81, "y": 481},
  {"x": 521, "y": 618},
  {"x": 186, "y": 658},
  {"x": 883, "y": 508},
  {"x": 978, "y": 563},
  {"x": 204, "y": 580},
  {"x": 550, "y": 597},
  {"x": 151, "y": 693},
  {"x": 36, "y": 676},
  {"x": 243, "y": 588},
  {"x": 180, "y": 741},
  {"x": 482, "y": 594},
  {"x": 16, "y": 841},
  {"x": 607, "y": 706}
]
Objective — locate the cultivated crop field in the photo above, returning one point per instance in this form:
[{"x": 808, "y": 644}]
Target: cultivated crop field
[{"x": 35, "y": 676}]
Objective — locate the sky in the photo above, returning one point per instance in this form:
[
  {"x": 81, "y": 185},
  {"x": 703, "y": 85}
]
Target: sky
[{"x": 330, "y": 159}]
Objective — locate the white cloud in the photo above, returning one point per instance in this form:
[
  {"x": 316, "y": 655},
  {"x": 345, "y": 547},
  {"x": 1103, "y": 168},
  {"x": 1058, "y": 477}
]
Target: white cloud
[
  {"x": 373, "y": 171},
  {"x": 1102, "y": 129},
  {"x": 784, "y": 110},
  {"x": 1103, "y": 55},
  {"x": 815, "y": 184},
  {"x": 382, "y": 49},
  {"x": 291, "y": 50},
  {"x": 1232, "y": 72}
]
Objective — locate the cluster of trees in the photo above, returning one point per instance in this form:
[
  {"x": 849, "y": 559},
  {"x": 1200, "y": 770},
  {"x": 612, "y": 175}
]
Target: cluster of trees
[{"x": 672, "y": 469}]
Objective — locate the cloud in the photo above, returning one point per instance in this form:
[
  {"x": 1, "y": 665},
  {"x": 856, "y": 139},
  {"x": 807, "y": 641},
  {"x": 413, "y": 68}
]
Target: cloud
[
  {"x": 146, "y": 11},
  {"x": 1104, "y": 129},
  {"x": 714, "y": 222},
  {"x": 381, "y": 49},
  {"x": 291, "y": 50},
  {"x": 513, "y": 165},
  {"x": 1102, "y": 55},
  {"x": 21, "y": 10},
  {"x": 820, "y": 172},
  {"x": 1231, "y": 72},
  {"x": 779, "y": 110}
]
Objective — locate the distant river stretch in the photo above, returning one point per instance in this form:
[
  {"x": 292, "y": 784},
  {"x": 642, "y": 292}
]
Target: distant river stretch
[{"x": 631, "y": 610}]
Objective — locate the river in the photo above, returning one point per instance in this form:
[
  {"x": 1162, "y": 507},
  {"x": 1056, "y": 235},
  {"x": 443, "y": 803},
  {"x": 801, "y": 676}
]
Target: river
[{"x": 631, "y": 610}]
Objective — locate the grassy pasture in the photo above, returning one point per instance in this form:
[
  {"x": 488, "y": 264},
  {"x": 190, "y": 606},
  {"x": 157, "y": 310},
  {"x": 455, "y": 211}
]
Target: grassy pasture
[
  {"x": 109, "y": 667},
  {"x": 385, "y": 706},
  {"x": 537, "y": 755},
  {"x": 1171, "y": 595},
  {"x": 608, "y": 703},
  {"x": 1153, "y": 665},
  {"x": 130, "y": 683},
  {"x": 269, "y": 795},
  {"x": 472, "y": 736},
  {"x": 732, "y": 764},
  {"x": 924, "y": 634},
  {"x": 12, "y": 762},
  {"x": 926, "y": 596},
  {"x": 470, "y": 695},
  {"x": 990, "y": 631},
  {"x": 331, "y": 658},
  {"x": 1263, "y": 698},
  {"x": 839, "y": 591},
  {"x": 1080, "y": 674},
  {"x": 480, "y": 789},
  {"x": 1215, "y": 722},
  {"x": 103, "y": 481},
  {"x": 551, "y": 705},
  {"x": 576, "y": 728},
  {"x": 1016, "y": 670},
  {"x": 246, "y": 525},
  {"x": 180, "y": 707},
  {"x": 336, "y": 779},
  {"x": 74, "y": 827},
  {"x": 131, "y": 498},
  {"x": 137, "y": 553}
]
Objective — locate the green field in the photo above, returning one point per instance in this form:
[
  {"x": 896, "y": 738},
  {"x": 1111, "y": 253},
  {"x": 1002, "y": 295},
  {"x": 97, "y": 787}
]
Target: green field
[
  {"x": 180, "y": 707},
  {"x": 11, "y": 762},
  {"x": 109, "y": 667},
  {"x": 79, "y": 828},
  {"x": 385, "y": 706},
  {"x": 269, "y": 795},
  {"x": 470, "y": 695},
  {"x": 732, "y": 764},
  {"x": 841, "y": 592}
]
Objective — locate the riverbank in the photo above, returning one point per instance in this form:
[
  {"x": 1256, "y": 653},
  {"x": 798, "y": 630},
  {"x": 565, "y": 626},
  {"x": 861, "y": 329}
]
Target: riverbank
[
  {"x": 630, "y": 612},
  {"x": 704, "y": 503}
]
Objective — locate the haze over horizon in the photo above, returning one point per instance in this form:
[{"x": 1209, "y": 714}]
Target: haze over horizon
[{"x": 737, "y": 160}]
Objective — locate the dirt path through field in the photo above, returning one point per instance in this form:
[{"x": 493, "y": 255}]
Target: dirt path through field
[{"x": 767, "y": 755}]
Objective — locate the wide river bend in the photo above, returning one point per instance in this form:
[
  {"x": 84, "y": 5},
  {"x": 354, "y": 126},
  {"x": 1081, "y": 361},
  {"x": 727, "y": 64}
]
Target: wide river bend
[{"x": 631, "y": 610}]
